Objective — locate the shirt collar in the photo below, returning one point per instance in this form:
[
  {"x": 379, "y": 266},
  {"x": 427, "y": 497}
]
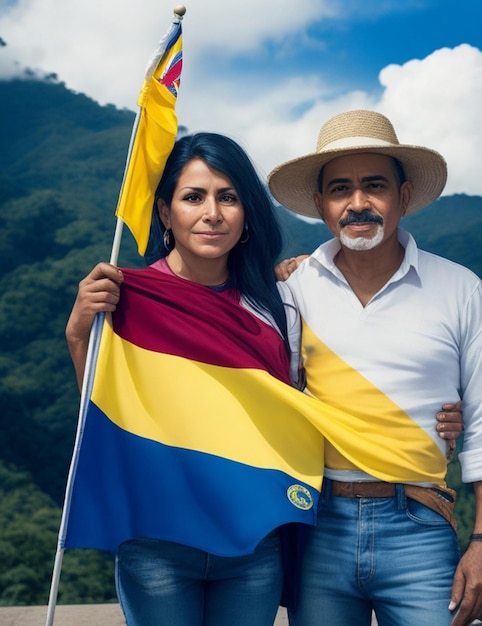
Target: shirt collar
[{"x": 325, "y": 255}]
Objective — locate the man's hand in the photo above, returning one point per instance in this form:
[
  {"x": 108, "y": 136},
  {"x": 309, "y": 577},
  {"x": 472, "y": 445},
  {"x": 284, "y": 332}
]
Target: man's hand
[
  {"x": 285, "y": 268},
  {"x": 467, "y": 587},
  {"x": 466, "y": 598}
]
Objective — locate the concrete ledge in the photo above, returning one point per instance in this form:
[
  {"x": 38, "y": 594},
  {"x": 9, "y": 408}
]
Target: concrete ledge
[
  {"x": 87, "y": 615},
  {"x": 78, "y": 615}
]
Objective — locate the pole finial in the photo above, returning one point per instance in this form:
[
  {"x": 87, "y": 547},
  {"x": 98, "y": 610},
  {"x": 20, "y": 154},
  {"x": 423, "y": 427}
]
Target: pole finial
[{"x": 180, "y": 10}]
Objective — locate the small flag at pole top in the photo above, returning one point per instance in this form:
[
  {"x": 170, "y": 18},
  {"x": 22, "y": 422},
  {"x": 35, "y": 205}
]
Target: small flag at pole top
[{"x": 155, "y": 135}]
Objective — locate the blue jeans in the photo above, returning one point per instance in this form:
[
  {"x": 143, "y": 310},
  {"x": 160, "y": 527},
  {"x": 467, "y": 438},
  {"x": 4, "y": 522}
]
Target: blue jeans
[
  {"x": 164, "y": 583},
  {"x": 391, "y": 555}
]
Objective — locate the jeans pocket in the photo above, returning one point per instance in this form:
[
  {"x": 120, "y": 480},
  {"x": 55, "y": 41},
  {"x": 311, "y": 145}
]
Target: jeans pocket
[{"x": 424, "y": 515}]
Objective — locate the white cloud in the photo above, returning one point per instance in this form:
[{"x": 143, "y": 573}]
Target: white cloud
[
  {"x": 435, "y": 102},
  {"x": 101, "y": 48}
]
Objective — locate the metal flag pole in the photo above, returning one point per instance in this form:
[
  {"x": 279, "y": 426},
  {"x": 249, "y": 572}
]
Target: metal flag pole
[
  {"x": 92, "y": 352},
  {"x": 91, "y": 361}
]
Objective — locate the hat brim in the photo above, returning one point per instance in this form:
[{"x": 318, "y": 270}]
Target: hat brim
[{"x": 294, "y": 182}]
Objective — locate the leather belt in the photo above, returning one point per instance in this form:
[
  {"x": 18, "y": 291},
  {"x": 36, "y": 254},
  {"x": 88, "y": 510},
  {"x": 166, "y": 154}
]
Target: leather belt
[
  {"x": 375, "y": 489},
  {"x": 439, "y": 499}
]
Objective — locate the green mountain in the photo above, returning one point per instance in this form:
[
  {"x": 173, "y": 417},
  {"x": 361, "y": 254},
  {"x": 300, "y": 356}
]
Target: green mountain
[{"x": 62, "y": 158}]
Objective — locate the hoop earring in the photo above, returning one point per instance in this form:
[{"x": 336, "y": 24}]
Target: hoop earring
[
  {"x": 166, "y": 238},
  {"x": 245, "y": 235}
]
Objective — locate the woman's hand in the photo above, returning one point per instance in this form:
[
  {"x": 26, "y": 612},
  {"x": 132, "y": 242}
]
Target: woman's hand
[
  {"x": 98, "y": 292},
  {"x": 450, "y": 425}
]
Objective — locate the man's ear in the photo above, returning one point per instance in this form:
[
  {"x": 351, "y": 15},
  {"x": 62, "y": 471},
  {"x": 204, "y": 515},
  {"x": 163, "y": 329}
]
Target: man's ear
[
  {"x": 163, "y": 211},
  {"x": 318, "y": 200},
  {"x": 406, "y": 192}
]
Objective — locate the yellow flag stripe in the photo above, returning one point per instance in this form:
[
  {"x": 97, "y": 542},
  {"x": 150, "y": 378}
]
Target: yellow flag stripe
[
  {"x": 236, "y": 414},
  {"x": 250, "y": 417},
  {"x": 335, "y": 382}
]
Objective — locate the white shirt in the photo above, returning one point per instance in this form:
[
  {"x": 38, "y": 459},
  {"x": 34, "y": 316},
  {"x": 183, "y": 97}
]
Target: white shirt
[{"x": 418, "y": 342}]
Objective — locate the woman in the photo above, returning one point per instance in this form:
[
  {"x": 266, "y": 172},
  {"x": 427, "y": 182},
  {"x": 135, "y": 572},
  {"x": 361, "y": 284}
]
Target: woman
[
  {"x": 214, "y": 233},
  {"x": 213, "y": 225}
]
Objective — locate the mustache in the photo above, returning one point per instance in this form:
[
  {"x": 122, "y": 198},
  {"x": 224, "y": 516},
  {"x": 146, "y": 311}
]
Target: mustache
[{"x": 364, "y": 216}]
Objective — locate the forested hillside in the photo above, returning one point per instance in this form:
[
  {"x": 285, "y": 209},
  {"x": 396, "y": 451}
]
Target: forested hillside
[{"x": 61, "y": 162}]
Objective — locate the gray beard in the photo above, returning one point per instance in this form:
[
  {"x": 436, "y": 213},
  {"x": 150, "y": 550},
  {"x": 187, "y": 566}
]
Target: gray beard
[{"x": 362, "y": 243}]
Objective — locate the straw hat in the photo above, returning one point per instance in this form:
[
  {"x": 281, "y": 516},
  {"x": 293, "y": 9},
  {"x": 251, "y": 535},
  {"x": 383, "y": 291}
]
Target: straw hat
[{"x": 294, "y": 182}]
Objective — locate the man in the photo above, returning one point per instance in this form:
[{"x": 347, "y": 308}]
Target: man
[{"x": 376, "y": 335}]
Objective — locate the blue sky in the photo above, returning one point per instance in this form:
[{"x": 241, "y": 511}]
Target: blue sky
[
  {"x": 359, "y": 48},
  {"x": 351, "y": 46},
  {"x": 269, "y": 74}
]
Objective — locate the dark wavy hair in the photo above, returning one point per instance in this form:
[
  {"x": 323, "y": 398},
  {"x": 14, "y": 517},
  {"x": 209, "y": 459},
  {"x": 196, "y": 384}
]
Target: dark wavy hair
[{"x": 250, "y": 264}]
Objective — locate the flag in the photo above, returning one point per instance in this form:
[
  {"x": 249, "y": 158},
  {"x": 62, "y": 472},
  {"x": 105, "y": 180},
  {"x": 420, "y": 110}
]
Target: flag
[
  {"x": 194, "y": 435},
  {"x": 155, "y": 133},
  {"x": 185, "y": 438}
]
